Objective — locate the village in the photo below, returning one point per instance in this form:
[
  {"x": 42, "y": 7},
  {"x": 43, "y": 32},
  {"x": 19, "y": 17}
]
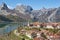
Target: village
[{"x": 39, "y": 31}]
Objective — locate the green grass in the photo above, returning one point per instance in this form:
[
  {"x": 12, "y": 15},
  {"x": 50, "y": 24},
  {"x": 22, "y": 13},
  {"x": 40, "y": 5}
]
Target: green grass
[
  {"x": 25, "y": 37},
  {"x": 12, "y": 36}
]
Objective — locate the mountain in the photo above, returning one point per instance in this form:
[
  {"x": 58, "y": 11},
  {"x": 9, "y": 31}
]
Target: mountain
[
  {"x": 47, "y": 15},
  {"x": 3, "y": 6},
  {"x": 23, "y": 13},
  {"x": 24, "y": 9},
  {"x": 12, "y": 14}
]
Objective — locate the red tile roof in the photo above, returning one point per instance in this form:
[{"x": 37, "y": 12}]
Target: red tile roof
[{"x": 39, "y": 38}]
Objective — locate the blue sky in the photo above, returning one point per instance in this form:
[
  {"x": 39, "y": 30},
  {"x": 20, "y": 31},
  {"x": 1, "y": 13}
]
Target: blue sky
[{"x": 35, "y": 4}]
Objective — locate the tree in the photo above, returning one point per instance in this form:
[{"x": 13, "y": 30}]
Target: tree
[
  {"x": 33, "y": 35},
  {"x": 41, "y": 25},
  {"x": 55, "y": 26},
  {"x": 23, "y": 38},
  {"x": 43, "y": 35}
]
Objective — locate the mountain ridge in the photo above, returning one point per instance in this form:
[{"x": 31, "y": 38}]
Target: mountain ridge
[{"x": 27, "y": 13}]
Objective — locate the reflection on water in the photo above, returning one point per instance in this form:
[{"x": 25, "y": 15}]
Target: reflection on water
[{"x": 8, "y": 28}]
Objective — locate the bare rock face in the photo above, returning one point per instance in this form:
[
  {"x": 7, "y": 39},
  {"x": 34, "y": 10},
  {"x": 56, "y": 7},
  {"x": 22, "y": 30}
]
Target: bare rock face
[
  {"x": 3, "y": 6},
  {"x": 23, "y": 9},
  {"x": 47, "y": 15},
  {"x": 11, "y": 14},
  {"x": 26, "y": 13}
]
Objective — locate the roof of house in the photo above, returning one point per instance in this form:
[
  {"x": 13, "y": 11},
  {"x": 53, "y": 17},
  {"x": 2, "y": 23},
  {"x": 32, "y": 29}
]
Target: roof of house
[
  {"x": 38, "y": 38},
  {"x": 36, "y": 23}
]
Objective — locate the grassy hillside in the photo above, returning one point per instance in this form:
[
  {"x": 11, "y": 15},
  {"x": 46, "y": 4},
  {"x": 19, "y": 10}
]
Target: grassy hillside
[
  {"x": 11, "y": 18},
  {"x": 12, "y": 36}
]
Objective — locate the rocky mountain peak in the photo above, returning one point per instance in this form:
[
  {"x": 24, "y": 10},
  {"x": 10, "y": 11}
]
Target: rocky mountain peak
[
  {"x": 24, "y": 8},
  {"x": 4, "y": 6},
  {"x": 43, "y": 9}
]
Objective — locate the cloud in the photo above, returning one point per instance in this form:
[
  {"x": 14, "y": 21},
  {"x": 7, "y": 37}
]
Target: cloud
[
  {"x": 18, "y": 4},
  {"x": 10, "y": 7}
]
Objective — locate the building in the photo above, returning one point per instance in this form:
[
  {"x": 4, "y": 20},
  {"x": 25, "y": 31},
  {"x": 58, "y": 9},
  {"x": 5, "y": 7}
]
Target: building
[{"x": 45, "y": 25}]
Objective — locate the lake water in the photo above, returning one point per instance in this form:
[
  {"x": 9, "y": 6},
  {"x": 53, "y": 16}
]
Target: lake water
[
  {"x": 11, "y": 26},
  {"x": 8, "y": 28}
]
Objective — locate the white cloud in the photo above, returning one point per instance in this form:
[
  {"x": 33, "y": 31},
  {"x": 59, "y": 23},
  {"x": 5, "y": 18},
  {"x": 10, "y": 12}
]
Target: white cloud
[
  {"x": 18, "y": 4},
  {"x": 10, "y": 7}
]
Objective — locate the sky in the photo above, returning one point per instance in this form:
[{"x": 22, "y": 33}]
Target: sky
[{"x": 35, "y": 4}]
